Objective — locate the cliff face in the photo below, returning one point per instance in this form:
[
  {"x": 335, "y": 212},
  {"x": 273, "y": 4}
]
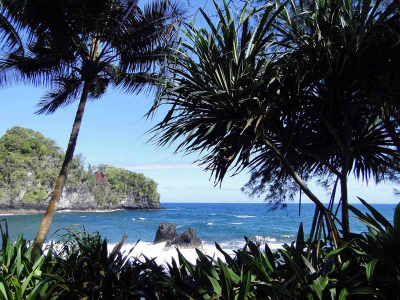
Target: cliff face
[
  {"x": 29, "y": 165},
  {"x": 82, "y": 198}
]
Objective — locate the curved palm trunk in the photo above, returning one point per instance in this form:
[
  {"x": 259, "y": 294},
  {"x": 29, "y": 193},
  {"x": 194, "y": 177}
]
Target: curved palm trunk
[{"x": 58, "y": 189}]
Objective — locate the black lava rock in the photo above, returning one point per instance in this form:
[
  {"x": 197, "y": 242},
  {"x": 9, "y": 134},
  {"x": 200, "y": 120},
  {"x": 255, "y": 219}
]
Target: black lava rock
[
  {"x": 186, "y": 240},
  {"x": 166, "y": 232}
]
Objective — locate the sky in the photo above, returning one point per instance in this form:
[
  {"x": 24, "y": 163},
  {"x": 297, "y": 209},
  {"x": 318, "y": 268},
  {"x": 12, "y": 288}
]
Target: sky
[{"x": 113, "y": 132}]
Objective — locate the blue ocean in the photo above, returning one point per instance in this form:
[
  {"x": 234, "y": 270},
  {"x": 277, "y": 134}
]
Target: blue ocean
[{"x": 225, "y": 223}]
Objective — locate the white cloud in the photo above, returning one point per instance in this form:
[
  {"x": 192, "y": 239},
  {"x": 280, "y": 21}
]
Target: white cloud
[{"x": 160, "y": 167}]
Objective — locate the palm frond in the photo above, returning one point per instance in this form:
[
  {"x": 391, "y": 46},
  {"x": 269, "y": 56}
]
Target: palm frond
[
  {"x": 313, "y": 82},
  {"x": 217, "y": 96},
  {"x": 66, "y": 91},
  {"x": 136, "y": 82},
  {"x": 37, "y": 71},
  {"x": 11, "y": 40}
]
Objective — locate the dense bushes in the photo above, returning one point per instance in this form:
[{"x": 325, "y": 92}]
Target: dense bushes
[
  {"x": 82, "y": 267},
  {"x": 23, "y": 277}
]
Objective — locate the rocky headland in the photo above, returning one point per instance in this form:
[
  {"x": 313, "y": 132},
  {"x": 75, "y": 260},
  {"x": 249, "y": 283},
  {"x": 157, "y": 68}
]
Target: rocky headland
[{"x": 29, "y": 166}]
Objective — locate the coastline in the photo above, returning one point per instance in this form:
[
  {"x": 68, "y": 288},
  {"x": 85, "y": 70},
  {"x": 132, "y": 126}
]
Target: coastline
[{"x": 21, "y": 212}]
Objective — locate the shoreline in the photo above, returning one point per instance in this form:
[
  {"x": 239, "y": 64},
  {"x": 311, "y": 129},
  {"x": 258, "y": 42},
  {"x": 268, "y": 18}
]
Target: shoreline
[
  {"x": 163, "y": 257},
  {"x": 21, "y": 212}
]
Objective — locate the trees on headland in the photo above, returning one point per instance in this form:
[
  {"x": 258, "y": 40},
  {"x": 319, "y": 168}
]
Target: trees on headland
[
  {"x": 310, "y": 93},
  {"x": 29, "y": 166},
  {"x": 79, "y": 49}
]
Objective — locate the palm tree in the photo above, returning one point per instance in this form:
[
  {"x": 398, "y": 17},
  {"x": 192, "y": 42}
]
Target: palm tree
[
  {"x": 9, "y": 33},
  {"x": 82, "y": 47}
]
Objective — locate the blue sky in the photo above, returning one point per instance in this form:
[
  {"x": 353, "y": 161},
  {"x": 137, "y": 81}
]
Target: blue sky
[{"x": 113, "y": 132}]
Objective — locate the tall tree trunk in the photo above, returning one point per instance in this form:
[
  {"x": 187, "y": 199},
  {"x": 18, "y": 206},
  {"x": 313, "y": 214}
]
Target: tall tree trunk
[
  {"x": 393, "y": 134},
  {"x": 58, "y": 189},
  {"x": 345, "y": 201},
  {"x": 286, "y": 165},
  {"x": 346, "y": 151}
]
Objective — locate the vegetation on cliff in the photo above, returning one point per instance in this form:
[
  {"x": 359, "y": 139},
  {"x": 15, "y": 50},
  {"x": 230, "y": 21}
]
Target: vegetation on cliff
[{"x": 29, "y": 164}]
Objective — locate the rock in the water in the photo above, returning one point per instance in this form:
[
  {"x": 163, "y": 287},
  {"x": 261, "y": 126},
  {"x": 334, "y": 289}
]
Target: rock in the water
[
  {"x": 186, "y": 240},
  {"x": 166, "y": 232}
]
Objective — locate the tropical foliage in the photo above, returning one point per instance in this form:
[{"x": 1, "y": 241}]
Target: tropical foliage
[
  {"x": 80, "y": 48},
  {"x": 10, "y": 39},
  {"x": 296, "y": 92},
  {"x": 29, "y": 165},
  {"x": 81, "y": 266},
  {"x": 338, "y": 89},
  {"x": 22, "y": 277},
  {"x": 308, "y": 92}
]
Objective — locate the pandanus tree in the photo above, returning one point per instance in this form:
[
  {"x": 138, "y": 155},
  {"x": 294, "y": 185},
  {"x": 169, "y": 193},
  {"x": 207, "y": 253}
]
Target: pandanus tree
[
  {"x": 307, "y": 94},
  {"x": 342, "y": 89},
  {"x": 80, "y": 48},
  {"x": 225, "y": 98}
]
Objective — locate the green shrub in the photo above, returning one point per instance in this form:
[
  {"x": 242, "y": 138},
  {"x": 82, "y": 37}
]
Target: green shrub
[
  {"x": 82, "y": 267},
  {"x": 22, "y": 277},
  {"x": 34, "y": 194},
  {"x": 92, "y": 272},
  {"x": 366, "y": 267},
  {"x": 99, "y": 195}
]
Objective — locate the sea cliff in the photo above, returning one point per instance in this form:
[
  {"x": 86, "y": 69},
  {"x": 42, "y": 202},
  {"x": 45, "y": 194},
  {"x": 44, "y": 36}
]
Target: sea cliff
[{"x": 29, "y": 165}]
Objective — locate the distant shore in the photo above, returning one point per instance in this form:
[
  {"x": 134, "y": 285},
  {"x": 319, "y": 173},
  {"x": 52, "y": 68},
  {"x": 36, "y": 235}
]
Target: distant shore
[{"x": 10, "y": 212}]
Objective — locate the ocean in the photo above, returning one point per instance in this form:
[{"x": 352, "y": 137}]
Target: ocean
[{"x": 224, "y": 223}]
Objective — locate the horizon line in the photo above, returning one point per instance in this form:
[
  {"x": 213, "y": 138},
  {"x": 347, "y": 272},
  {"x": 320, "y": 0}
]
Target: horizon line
[{"x": 263, "y": 203}]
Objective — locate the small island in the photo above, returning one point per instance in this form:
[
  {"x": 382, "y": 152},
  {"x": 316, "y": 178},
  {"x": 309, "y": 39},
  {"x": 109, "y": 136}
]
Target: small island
[{"x": 29, "y": 166}]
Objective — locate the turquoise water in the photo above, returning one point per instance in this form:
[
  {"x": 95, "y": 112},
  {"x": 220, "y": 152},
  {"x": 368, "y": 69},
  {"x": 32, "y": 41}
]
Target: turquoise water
[{"x": 224, "y": 223}]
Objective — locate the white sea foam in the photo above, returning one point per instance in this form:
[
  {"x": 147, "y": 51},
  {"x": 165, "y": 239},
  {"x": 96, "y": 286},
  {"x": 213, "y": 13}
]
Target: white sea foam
[
  {"x": 11, "y": 215},
  {"x": 213, "y": 214},
  {"x": 236, "y": 223},
  {"x": 210, "y": 224},
  {"x": 133, "y": 219},
  {"x": 244, "y": 216},
  {"x": 88, "y": 211},
  {"x": 263, "y": 239},
  {"x": 162, "y": 257},
  {"x": 83, "y": 216},
  {"x": 288, "y": 235},
  {"x": 142, "y": 219}
]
